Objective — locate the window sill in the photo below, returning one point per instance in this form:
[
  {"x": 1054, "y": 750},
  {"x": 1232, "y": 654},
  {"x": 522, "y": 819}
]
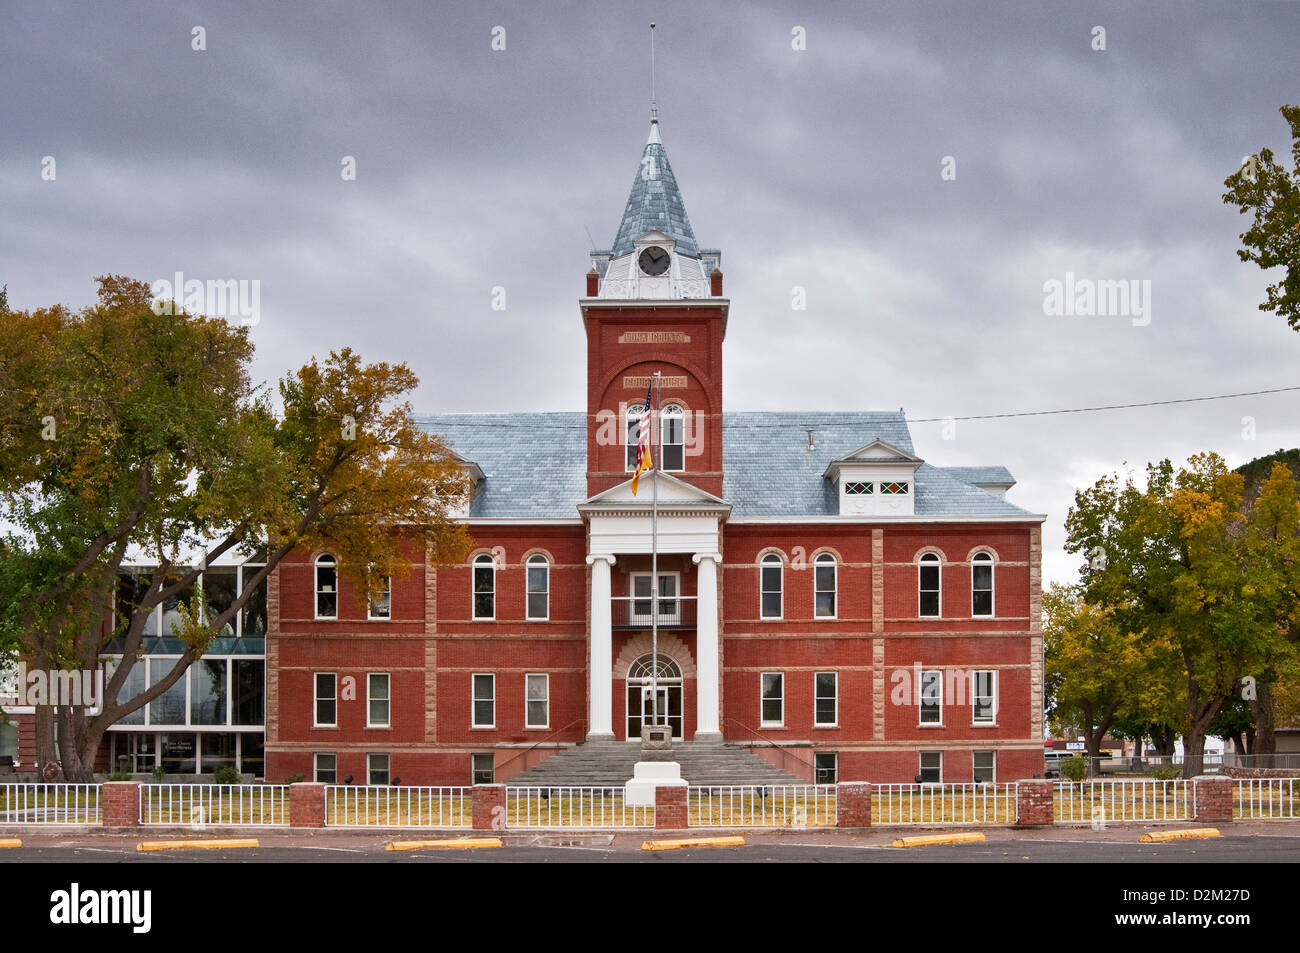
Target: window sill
[
  {"x": 984, "y": 724},
  {"x": 314, "y": 727},
  {"x": 767, "y": 724},
  {"x": 482, "y": 727},
  {"x": 824, "y": 727},
  {"x": 537, "y": 727},
  {"x": 929, "y": 725},
  {"x": 379, "y": 727}
]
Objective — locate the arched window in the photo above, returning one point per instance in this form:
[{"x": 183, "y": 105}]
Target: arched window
[
  {"x": 673, "y": 438},
  {"x": 539, "y": 587},
  {"x": 770, "y": 572},
  {"x": 928, "y": 586},
  {"x": 485, "y": 586},
  {"x": 642, "y": 667},
  {"x": 632, "y": 434},
  {"x": 327, "y": 587},
  {"x": 981, "y": 585},
  {"x": 824, "y": 585}
]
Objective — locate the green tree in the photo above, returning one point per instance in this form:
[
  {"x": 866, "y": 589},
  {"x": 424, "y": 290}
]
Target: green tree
[
  {"x": 1170, "y": 562},
  {"x": 1264, "y": 187},
  {"x": 127, "y": 431}
]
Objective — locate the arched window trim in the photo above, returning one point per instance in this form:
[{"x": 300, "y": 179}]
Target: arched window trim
[
  {"x": 674, "y": 460},
  {"x": 767, "y": 561},
  {"x": 980, "y": 559},
  {"x": 323, "y": 561},
  {"x": 934, "y": 560}
]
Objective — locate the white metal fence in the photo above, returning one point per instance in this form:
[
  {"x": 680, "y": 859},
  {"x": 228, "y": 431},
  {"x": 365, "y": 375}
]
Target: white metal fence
[
  {"x": 752, "y": 805},
  {"x": 573, "y": 807},
  {"x": 49, "y": 803},
  {"x": 1097, "y": 802},
  {"x": 349, "y": 805},
  {"x": 201, "y": 805},
  {"x": 901, "y": 804},
  {"x": 1266, "y": 798}
]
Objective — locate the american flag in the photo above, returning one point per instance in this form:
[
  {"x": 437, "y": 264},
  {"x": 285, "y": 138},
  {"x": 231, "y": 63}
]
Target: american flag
[{"x": 644, "y": 459}]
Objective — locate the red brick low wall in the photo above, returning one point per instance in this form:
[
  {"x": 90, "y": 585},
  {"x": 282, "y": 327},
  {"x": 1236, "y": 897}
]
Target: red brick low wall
[
  {"x": 119, "y": 804},
  {"x": 671, "y": 812},
  {"x": 853, "y": 804},
  {"x": 307, "y": 805},
  {"x": 489, "y": 809},
  {"x": 1213, "y": 798},
  {"x": 1034, "y": 803}
]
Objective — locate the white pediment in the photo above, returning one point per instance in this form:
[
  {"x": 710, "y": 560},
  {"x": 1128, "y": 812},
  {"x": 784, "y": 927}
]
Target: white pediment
[{"x": 672, "y": 491}]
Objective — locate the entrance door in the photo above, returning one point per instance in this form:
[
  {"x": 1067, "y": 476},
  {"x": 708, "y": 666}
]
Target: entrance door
[
  {"x": 669, "y": 604},
  {"x": 642, "y": 711}
]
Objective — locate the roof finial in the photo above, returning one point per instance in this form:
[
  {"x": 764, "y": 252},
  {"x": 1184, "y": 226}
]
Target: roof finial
[{"x": 654, "y": 108}]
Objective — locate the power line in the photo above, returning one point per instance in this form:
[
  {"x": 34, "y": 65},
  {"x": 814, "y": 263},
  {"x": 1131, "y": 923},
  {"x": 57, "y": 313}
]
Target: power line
[{"x": 1087, "y": 410}]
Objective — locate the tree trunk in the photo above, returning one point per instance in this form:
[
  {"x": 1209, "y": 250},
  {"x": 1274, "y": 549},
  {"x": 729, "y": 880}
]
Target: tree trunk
[
  {"x": 1193, "y": 753},
  {"x": 46, "y": 753},
  {"x": 77, "y": 746},
  {"x": 1261, "y": 708}
]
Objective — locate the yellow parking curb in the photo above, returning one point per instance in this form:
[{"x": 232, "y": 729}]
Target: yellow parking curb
[
  {"x": 694, "y": 842},
  {"x": 1189, "y": 834},
  {"x": 927, "y": 840},
  {"x": 190, "y": 844},
  {"x": 468, "y": 843},
  {"x": 11, "y": 843}
]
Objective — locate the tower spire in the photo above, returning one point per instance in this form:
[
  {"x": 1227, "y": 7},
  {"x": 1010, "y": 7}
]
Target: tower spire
[{"x": 654, "y": 106}]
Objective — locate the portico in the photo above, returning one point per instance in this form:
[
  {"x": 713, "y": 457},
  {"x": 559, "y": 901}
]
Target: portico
[{"x": 619, "y": 538}]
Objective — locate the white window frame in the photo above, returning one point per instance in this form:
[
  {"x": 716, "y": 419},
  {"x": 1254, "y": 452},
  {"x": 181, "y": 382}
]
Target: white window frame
[
  {"x": 474, "y": 699},
  {"x": 371, "y": 699},
  {"x": 984, "y": 559},
  {"x": 928, "y": 560},
  {"x": 762, "y": 698},
  {"x": 835, "y": 720},
  {"x": 546, "y": 700},
  {"x": 315, "y": 766},
  {"x": 481, "y": 561},
  {"x": 822, "y": 561},
  {"x": 921, "y": 698},
  {"x": 920, "y": 765},
  {"x": 388, "y": 767},
  {"x": 537, "y": 561},
  {"x": 769, "y": 561},
  {"x": 634, "y": 413},
  {"x": 993, "y": 757},
  {"x": 317, "y": 698},
  {"x": 473, "y": 771},
  {"x": 388, "y": 593},
  {"x": 677, "y": 412},
  {"x": 834, "y": 756},
  {"x": 676, "y": 598},
  {"x": 324, "y": 559},
  {"x": 992, "y": 719}
]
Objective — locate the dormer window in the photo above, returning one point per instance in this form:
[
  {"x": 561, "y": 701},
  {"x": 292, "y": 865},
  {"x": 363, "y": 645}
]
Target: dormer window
[
  {"x": 894, "y": 488},
  {"x": 859, "y": 488}
]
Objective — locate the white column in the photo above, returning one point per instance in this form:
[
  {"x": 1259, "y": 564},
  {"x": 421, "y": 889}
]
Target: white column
[
  {"x": 600, "y": 725},
  {"x": 706, "y": 648}
]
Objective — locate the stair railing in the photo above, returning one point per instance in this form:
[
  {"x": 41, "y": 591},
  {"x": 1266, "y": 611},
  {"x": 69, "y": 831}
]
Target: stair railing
[
  {"x": 785, "y": 750},
  {"x": 540, "y": 741}
]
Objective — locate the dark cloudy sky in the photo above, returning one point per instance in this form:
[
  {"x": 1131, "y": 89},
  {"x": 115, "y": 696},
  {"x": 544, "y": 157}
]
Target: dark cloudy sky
[{"x": 817, "y": 168}]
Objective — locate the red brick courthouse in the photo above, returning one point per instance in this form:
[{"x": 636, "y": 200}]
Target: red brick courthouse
[{"x": 827, "y": 598}]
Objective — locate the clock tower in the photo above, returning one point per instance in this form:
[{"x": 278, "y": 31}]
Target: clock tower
[{"x": 654, "y": 303}]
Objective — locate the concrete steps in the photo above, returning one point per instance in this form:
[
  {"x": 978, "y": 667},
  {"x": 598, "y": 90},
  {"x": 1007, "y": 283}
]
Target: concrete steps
[{"x": 609, "y": 763}]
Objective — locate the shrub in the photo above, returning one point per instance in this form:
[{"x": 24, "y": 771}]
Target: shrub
[
  {"x": 120, "y": 776},
  {"x": 1076, "y": 768},
  {"x": 226, "y": 774},
  {"x": 293, "y": 779},
  {"x": 159, "y": 772},
  {"x": 1168, "y": 772}
]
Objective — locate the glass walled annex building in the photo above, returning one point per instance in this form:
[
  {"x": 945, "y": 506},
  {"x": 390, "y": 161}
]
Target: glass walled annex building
[{"x": 214, "y": 716}]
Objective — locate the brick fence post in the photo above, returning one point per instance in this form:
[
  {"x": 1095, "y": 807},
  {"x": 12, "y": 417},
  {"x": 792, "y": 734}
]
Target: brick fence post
[
  {"x": 1034, "y": 803},
  {"x": 489, "y": 806},
  {"x": 306, "y": 804},
  {"x": 853, "y": 804},
  {"x": 119, "y": 804},
  {"x": 671, "y": 808},
  {"x": 1213, "y": 798}
]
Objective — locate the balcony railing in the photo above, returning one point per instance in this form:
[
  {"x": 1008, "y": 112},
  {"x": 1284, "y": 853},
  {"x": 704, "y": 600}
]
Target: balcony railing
[{"x": 637, "y": 612}]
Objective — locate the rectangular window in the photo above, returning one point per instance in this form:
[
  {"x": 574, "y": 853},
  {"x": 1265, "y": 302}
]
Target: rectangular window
[
  {"x": 168, "y": 708},
  {"x": 382, "y": 607},
  {"x": 485, "y": 701},
  {"x": 537, "y": 701},
  {"x": 377, "y": 769},
  {"x": 326, "y": 769},
  {"x": 327, "y": 592},
  {"x": 208, "y": 692},
  {"x": 981, "y": 585},
  {"x": 983, "y": 765},
  {"x": 826, "y": 767},
  {"x": 984, "y": 690},
  {"x": 327, "y": 706},
  {"x": 483, "y": 768},
  {"x": 773, "y": 714},
  {"x": 826, "y": 687},
  {"x": 673, "y": 440},
  {"x": 824, "y": 587},
  {"x": 931, "y": 767},
  {"x": 859, "y": 488},
  {"x": 377, "y": 688},
  {"x": 485, "y": 587},
  {"x": 249, "y": 684},
  {"x": 932, "y": 697},
  {"x": 252, "y": 620},
  {"x": 894, "y": 489}
]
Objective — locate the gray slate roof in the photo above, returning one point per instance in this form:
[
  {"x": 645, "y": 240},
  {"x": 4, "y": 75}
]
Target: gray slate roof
[
  {"x": 655, "y": 203},
  {"x": 536, "y": 464},
  {"x": 979, "y": 475}
]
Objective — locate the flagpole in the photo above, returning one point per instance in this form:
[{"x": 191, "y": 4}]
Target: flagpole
[{"x": 654, "y": 565}]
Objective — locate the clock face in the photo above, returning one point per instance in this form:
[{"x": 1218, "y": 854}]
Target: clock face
[{"x": 654, "y": 261}]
